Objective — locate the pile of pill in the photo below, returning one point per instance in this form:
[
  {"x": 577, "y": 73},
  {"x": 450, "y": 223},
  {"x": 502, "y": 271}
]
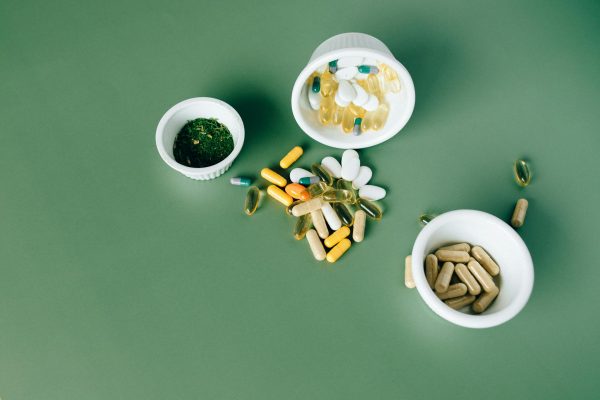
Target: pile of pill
[
  {"x": 331, "y": 201},
  {"x": 460, "y": 275},
  {"x": 351, "y": 92}
]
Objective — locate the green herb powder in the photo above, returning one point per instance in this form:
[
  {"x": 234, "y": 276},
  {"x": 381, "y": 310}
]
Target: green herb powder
[{"x": 202, "y": 142}]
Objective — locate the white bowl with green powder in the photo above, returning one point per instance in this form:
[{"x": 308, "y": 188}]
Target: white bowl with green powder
[{"x": 200, "y": 137}]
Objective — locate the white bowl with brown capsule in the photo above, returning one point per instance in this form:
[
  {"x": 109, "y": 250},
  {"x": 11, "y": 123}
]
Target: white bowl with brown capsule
[{"x": 502, "y": 243}]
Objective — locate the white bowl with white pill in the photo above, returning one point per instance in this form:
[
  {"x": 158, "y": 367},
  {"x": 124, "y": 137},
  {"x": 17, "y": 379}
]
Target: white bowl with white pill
[
  {"x": 358, "y": 47},
  {"x": 199, "y": 107},
  {"x": 503, "y": 244}
]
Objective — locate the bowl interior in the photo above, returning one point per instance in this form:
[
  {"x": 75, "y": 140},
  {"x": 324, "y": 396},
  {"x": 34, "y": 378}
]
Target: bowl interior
[
  {"x": 501, "y": 242},
  {"x": 401, "y": 106}
]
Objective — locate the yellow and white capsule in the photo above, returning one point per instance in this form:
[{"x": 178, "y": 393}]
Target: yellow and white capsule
[
  {"x": 291, "y": 157},
  {"x": 338, "y": 251},
  {"x": 280, "y": 195},
  {"x": 273, "y": 177}
]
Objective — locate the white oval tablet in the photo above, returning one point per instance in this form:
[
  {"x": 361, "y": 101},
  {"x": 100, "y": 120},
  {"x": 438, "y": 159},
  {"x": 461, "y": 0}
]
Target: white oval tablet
[
  {"x": 346, "y": 73},
  {"x": 331, "y": 217},
  {"x": 339, "y": 101},
  {"x": 350, "y": 165},
  {"x": 371, "y": 104},
  {"x": 298, "y": 173},
  {"x": 364, "y": 176},
  {"x": 361, "y": 95},
  {"x": 332, "y": 166},
  {"x": 371, "y": 192}
]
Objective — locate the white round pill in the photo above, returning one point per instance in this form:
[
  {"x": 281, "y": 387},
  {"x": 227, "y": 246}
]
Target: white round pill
[
  {"x": 364, "y": 176},
  {"x": 350, "y": 165},
  {"x": 332, "y": 166},
  {"x": 371, "y": 104},
  {"x": 346, "y": 73},
  {"x": 350, "y": 61},
  {"x": 361, "y": 95},
  {"x": 339, "y": 101},
  {"x": 298, "y": 173},
  {"x": 346, "y": 91},
  {"x": 371, "y": 192}
]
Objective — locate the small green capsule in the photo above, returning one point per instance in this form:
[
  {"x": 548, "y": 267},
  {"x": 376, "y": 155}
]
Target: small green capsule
[
  {"x": 319, "y": 171},
  {"x": 356, "y": 130},
  {"x": 317, "y": 189},
  {"x": 368, "y": 69},
  {"x": 522, "y": 173},
  {"x": 333, "y": 66},
  {"x": 309, "y": 180},
  {"x": 339, "y": 196},
  {"x": 370, "y": 208},
  {"x": 425, "y": 218},
  {"x": 344, "y": 213},
  {"x": 288, "y": 209},
  {"x": 303, "y": 224},
  {"x": 252, "y": 198},
  {"x": 316, "y": 84}
]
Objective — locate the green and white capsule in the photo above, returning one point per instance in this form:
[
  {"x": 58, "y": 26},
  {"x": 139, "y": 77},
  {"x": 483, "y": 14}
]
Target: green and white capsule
[
  {"x": 356, "y": 129},
  {"x": 368, "y": 69},
  {"x": 309, "y": 180},
  {"x": 240, "y": 181}
]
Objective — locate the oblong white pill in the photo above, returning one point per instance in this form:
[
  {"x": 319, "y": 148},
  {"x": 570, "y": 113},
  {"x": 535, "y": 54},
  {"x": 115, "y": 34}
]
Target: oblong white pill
[
  {"x": 371, "y": 104},
  {"x": 364, "y": 176},
  {"x": 339, "y": 101},
  {"x": 331, "y": 217},
  {"x": 350, "y": 61},
  {"x": 350, "y": 165},
  {"x": 361, "y": 95},
  {"x": 346, "y": 73},
  {"x": 332, "y": 166},
  {"x": 314, "y": 99},
  {"x": 346, "y": 91},
  {"x": 298, "y": 173},
  {"x": 371, "y": 192}
]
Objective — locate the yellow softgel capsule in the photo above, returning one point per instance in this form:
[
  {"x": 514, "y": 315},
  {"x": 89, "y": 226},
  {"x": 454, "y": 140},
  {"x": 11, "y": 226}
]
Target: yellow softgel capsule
[
  {"x": 280, "y": 195},
  {"x": 338, "y": 251},
  {"x": 328, "y": 84},
  {"x": 252, "y": 199},
  {"x": 379, "y": 117},
  {"x": 337, "y": 236},
  {"x": 303, "y": 224},
  {"x": 291, "y": 157},
  {"x": 273, "y": 177},
  {"x": 326, "y": 110}
]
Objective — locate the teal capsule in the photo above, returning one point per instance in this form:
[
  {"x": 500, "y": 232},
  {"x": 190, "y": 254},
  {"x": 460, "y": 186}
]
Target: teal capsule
[
  {"x": 240, "y": 181},
  {"x": 344, "y": 213},
  {"x": 522, "y": 173},
  {"x": 317, "y": 189},
  {"x": 316, "y": 84},
  {"x": 370, "y": 208},
  {"x": 368, "y": 69},
  {"x": 319, "y": 171},
  {"x": 356, "y": 130},
  {"x": 309, "y": 180},
  {"x": 333, "y": 66},
  {"x": 339, "y": 196}
]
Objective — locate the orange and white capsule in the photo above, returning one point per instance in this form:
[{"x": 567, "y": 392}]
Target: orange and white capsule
[
  {"x": 279, "y": 195},
  {"x": 273, "y": 177},
  {"x": 291, "y": 157},
  {"x": 338, "y": 251}
]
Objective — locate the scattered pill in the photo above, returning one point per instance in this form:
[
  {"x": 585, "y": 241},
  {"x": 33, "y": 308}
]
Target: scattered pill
[
  {"x": 252, "y": 199},
  {"x": 484, "y": 301},
  {"x": 457, "y": 247},
  {"x": 350, "y": 165},
  {"x": 291, "y": 157},
  {"x": 522, "y": 173},
  {"x": 484, "y": 279},
  {"x": 309, "y": 180},
  {"x": 485, "y": 260},
  {"x": 303, "y": 224},
  {"x": 409, "y": 281},
  {"x": 459, "y": 302},
  {"x": 342, "y": 211},
  {"x": 319, "y": 171},
  {"x": 298, "y": 173},
  {"x": 363, "y": 177},
  {"x": 518, "y": 217},
  {"x": 273, "y": 177},
  {"x": 279, "y": 195},
  {"x": 443, "y": 280},
  {"x": 332, "y": 166},
  {"x": 465, "y": 276},
  {"x": 360, "y": 222},
  {"x": 431, "y": 269},
  {"x": 333, "y": 220},
  {"x": 297, "y": 191},
  {"x": 371, "y": 192},
  {"x": 453, "y": 255},
  {"x": 240, "y": 181},
  {"x": 307, "y": 207},
  {"x": 319, "y": 223},
  {"x": 315, "y": 245},
  {"x": 339, "y": 195},
  {"x": 317, "y": 189},
  {"x": 339, "y": 250},
  {"x": 455, "y": 290},
  {"x": 372, "y": 209},
  {"x": 337, "y": 236}
]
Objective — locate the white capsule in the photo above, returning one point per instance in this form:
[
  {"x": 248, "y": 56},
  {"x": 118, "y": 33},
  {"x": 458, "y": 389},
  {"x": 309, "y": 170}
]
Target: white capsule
[
  {"x": 350, "y": 165},
  {"x": 298, "y": 173},
  {"x": 349, "y": 61},
  {"x": 315, "y": 245},
  {"x": 361, "y": 95},
  {"x": 339, "y": 101},
  {"x": 346, "y": 91},
  {"x": 371, "y": 192},
  {"x": 331, "y": 217},
  {"x": 364, "y": 176},
  {"x": 332, "y": 166},
  {"x": 371, "y": 104},
  {"x": 314, "y": 99}
]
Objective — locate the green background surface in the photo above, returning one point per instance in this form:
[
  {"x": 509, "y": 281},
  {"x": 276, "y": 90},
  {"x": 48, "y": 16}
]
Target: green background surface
[{"x": 122, "y": 279}]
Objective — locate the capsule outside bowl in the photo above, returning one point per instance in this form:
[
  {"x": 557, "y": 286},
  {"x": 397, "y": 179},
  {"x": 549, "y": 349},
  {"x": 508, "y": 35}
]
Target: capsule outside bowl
[
  {"x": 353, "y": 44},
  {"x": 199, "y": 107},
  {"x": 500, "y": 241}
]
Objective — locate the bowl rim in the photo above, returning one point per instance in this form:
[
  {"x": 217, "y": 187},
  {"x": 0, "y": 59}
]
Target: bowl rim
[
  {"x": 170, "y": 161},
  {"x": 381, "y": 136},
  {"x": 455, "y": 316}
]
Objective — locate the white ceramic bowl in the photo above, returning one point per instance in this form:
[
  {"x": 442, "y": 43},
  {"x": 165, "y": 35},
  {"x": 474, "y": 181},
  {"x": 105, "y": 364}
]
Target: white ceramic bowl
[
  {"x": 199, "y": 107},
  {"x": 353, "y": 44},
  {"x": 500, "y": 241}
]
